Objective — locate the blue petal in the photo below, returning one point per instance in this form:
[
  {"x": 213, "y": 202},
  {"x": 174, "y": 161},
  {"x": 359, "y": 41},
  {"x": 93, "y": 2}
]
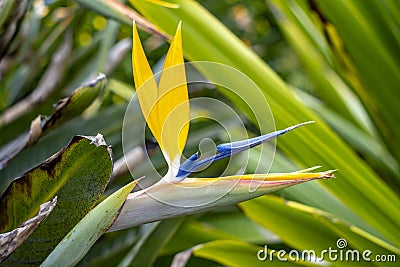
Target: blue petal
[
  {"x": 187, "y": 167},
  {"x": 242, "y": 145},
  {"x": 191, "y": 165},
  {"x": 228, "y": 149}
]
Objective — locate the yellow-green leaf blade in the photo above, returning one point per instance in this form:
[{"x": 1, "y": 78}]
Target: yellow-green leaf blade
[
  {"x": 314, "y": 229},
  {"x": 80, "y": 239},
  {"x": 237, "y": 254}
]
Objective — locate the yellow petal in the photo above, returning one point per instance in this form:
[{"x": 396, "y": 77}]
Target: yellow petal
[
  {"x": 268, "y": 179},
  {"x": 166, "y": 107},
  {"x": 173, "y": 101},
  {"x": 164, "y": 4},
  {"x": 146, "y": 86}
]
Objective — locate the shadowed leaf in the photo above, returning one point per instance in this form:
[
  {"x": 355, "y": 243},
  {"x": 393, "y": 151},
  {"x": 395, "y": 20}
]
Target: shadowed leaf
[
  {"x": 78, "y": 175},
  {"x": 64, "y": 110},
  {"x": 147, "y": 248},
  {"x": 10, "y": 241}
]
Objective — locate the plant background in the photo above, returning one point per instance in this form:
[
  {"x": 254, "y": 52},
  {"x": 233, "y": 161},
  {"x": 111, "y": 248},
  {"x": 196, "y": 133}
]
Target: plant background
[{"x": 336, "y": 63}]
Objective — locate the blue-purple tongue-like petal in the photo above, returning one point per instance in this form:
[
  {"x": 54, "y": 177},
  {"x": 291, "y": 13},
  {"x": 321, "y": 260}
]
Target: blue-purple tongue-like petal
[
  {"x": 255, "y": 141},
  {"x": 192, "y": 164},
  {"x": 187, "y": 167}
]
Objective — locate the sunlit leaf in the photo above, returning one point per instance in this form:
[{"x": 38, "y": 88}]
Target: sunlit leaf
[
  {"x": 82, "y": 237},
  {"x": 314, "y": 229}
]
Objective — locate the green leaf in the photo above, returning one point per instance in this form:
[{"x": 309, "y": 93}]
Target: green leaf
[
  {"x": 76, "y": 103},
  {"x": 371, "y": 148},
  {"x": 273, "y": 214},
  {"x": 146, "y": 250},
  {"x": 232, "y": 223},
  {"x": 7, "y": 6},
  {"x": 314, "y": 229},
  {"x": 81, "y": 238},
  {"x": 10, "y": 241},
  {"x": 11, "y": 14},
  {"x": 237, "y": 253},
  {"x": 78, "y": 175},
  {"x": 334, "y": 76},
  {"x": 109, "y": 9},
  {"x": 192, "y": 233},
  {"x": 24, "y": 84},
  {"x": 110, "y": 124},
  {"x": 316, "y": 57},
  {"x": 373, "y": 23},
  {"x": 122, "y": 13},
  {"x": 64, "y": 110},
  {"x": 110, "y": 248},
  {"x": 311, "y": 194},
  {"x": 121, "y": 89}
]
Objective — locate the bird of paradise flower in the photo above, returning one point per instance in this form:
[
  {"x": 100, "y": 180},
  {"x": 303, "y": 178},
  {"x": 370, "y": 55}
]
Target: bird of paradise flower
[{"x": 166, "y": 110}]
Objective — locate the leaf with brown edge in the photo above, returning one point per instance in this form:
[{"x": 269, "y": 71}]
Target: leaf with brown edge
[
  {"x": 64, "y": 110},
  {"x": 10, "y": 241},
  {"x": 77, "y": 174}
]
